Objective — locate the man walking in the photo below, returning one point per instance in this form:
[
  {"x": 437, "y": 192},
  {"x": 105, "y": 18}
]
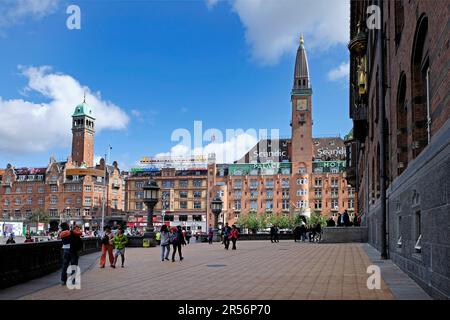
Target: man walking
[{"x": 226, "y": 234}]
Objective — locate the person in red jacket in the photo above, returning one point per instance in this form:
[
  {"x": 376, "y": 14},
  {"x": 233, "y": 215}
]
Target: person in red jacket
[{"x": 233, "y": 236}]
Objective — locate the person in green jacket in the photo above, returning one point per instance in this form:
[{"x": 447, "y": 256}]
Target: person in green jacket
[{"x": 120, "y": 241}]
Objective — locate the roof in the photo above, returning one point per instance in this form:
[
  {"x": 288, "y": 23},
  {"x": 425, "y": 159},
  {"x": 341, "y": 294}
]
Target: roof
[
  {"x": 83, "y": 109},
  {"x": 301, "y": 70}
]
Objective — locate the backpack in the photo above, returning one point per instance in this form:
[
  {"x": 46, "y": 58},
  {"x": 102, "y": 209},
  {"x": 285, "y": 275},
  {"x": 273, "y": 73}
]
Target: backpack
[{"x": 105, "y": 239}]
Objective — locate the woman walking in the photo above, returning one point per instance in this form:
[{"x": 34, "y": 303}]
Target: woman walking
[
  {"x": 107, "y": 247},
  {"x": 210, "y": 236},
  {"x": 234, "y": 234},
  {"x": 177, "y": 242},
  {"x": 120, "y": 241},
  {"x": 165, "y": 243}
]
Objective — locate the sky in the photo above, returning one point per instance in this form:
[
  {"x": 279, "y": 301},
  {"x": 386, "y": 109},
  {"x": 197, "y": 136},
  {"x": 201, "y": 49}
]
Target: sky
[{"x": 154, "y": 70}]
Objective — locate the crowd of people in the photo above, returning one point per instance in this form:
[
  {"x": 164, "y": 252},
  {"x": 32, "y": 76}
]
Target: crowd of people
[{"x": 343, "y": 220}]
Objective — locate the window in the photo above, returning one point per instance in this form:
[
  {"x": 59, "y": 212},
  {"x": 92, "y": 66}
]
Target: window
[
  {"x": 285, "y": 205},
  {"x": 139, "y": 184},
  {"x": 334, "y": 183},
  {"x": 87, "y": 201},
  {"x": 183, "y": 217},
  {"x": 302, "y": 170},
  {"x": 302, "y": 192},
  {"x": 253, "y": 194},
  {"x": 318, "y": 204},
  {"x": 334, "y": 204},
  {"x": 183, "y": 183},
  {"x": 114, "y": 203},
  {"x": 183, "y": 194},
  {"x": 285, "y": 183},
  {"x": 197, "y": 217},
  {"x": 87, "y": 188},
  {"x": 302, "y": 181},
  {"x": 29, "y": 189},
  {"x": 334, "y": 193},
  {"x": 168, "y": 217},
  {"x": 269, "y": 184},
  {"x": 8, "y": 190},
  {"x": 78, "y": 200},
  {"x": 269, "y": 194},
  {"x": 318, "y": 193},
  {"x": 197, "y": 183},
  {"x": 18, "y": 190},
  {"x": 29, "y": 201},
  {"x": 139, "y": 195},
  {"x": 351, "y": 192},
  {"x": 165, "y": 205},
  {"x": 138, "y": 206},
  {"x": 238, "y": 194},
  {"x": 197, "y": 205},
  {"x": 237, "y": 205},
  {"x": 167, "y": 184},
  {"x": 54, "y": 188},
  {"x": 302, "y": 204},
  {"x": 53, "y": 200},
  {"x": 334, "y": 170},
  {"x": 318, "y": 182},
  {"x": 269, "y": 205},
  {"x": 351, "y": 203},
  {"x": 253, "y": 205},
  {"x": 197, "y": 194},
  {"x": 40, "y": 201},
  {"x": 253, "y": 184},
  {"x": 418, "y": 231},
  {"x": 7, "y": 202},
  {"x": 68, "y": 200},
  {"x": 18, "y": 201},
  {"x": 237, "y": 184}
]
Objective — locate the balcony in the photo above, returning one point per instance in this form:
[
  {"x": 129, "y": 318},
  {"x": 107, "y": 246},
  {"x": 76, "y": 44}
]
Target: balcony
[
  {"x": 317, "y": 196},
  {"x": 7, "y": 184},
  {"x": 116, "y": 185},
  {"x": 285, "y": 197}
]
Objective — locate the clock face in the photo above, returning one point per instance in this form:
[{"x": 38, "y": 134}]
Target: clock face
[{"x": 302, "y": 104}]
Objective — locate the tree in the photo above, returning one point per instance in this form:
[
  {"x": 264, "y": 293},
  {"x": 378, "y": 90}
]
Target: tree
[
  {"x": 317, "y": 218},
  {"x": 284, "y": 222},
  {"x": 39, "y": 216},
  {"x": 263, "y": 221}
]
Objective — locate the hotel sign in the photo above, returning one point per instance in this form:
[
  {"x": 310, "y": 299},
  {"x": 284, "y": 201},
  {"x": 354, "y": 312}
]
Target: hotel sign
[
  {"x": 328, "y": 166},
  {"x": 267, "y": 168}
]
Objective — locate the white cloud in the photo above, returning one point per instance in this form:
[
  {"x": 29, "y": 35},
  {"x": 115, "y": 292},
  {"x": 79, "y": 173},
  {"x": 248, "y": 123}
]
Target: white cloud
[
  {"x": 211, "y": 3},
  {"x": 342, "y": 71},
  {"x": 273, "y": 27},
  {"x": 226, "y": 152},
  {"x": 16, "y": 11},
  {"x": 34, "y": 127}
]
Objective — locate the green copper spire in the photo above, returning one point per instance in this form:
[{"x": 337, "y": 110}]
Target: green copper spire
[{"x": 83, "y": 109}]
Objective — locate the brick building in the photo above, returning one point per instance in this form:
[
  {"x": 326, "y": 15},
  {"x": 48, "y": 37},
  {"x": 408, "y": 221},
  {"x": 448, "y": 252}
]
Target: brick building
[
  {"x": 406, "y": 65},
  {"x": 300, "y": 175},
  {"x": 69, "y": 190},
  {"x": 183, "y": 196}
]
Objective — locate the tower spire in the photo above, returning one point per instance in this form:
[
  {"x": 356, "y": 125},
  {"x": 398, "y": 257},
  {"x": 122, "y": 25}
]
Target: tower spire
[
  {"x": 84, "y": 98},
  {"x": 301, "y": 70}
]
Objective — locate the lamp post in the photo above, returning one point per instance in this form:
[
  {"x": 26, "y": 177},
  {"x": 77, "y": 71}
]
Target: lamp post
[
  {"x": 151, "y": 196},
  {"x": 216, "y": 206},
  {"x": 163, "y": 214}
]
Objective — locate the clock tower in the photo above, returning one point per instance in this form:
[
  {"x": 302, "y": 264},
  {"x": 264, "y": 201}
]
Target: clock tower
[
  {"x": 301, "y": 123},
  {"x": 83, "y": 136}
]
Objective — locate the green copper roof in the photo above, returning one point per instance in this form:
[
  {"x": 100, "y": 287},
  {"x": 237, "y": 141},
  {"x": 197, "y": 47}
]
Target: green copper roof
[
  {"x": 349, "y": 136},
  {"x": 83, "y": 110}
]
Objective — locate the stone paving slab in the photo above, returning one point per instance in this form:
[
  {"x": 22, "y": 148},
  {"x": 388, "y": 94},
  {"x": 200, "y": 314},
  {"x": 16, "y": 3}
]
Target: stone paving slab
[{"x": 257, "y": 270}]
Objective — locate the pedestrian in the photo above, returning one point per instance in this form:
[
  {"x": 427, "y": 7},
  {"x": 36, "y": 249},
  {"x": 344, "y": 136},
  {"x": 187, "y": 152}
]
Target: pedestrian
[
  {"x": 272, "y": 234},
  {"x": 177, "y": 242},
  {"x": 346, "y": 219},
  {"x": 107, "y": 247},
  {"x": 303, "y": 232},
  {"x": 28, "y": 238},
  {"x": 183, "y": 232},
  {"x": 76, "y": 244},
  {"x": 70, "y": 245},
  {"x": 10, "y": 240},
  {"x": 210, "y": 236},
  {"x": 120, "y": 241},
  {"x": 296, "y": 233},
  {"x": 233, "y": 236},
  {"x": 277, "y": 231},
  {"x": 356, "y": 222},
  {"x": 226, "y": 234},
  {"x": 158, "y": 237},
  {"x": 188, "y": 235},
  {"x": 165, "y": 243}
]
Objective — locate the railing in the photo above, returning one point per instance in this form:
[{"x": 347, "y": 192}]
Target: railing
[{"x": 26, "y": 261}]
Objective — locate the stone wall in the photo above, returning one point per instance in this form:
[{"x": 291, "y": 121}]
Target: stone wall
[
  {"x": 26, "y": 261},
  {"x": 419, "y": 204},
  {"x": 344, "y": 234}
]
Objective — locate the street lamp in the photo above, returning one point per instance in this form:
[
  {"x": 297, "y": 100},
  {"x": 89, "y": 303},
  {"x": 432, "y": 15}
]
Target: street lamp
[
  {"x": 216, "y": 206},
  {"x": 163, "y": 214},
  {"x": 151, "y": 196}
]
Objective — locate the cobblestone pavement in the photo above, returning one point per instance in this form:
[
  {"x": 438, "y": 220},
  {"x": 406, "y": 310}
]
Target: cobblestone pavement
[{"x": 257, "y": 270}]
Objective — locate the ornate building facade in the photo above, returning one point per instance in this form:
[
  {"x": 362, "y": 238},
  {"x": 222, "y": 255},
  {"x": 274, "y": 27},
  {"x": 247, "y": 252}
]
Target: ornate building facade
[{"x": 71, "y": 190}]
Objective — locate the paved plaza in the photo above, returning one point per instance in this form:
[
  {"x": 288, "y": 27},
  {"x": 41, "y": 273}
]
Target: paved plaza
[{"x": 257, "y": 270}]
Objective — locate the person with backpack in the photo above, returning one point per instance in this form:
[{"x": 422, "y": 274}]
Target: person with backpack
[
  {"x": 107, "y": 247},
  {"x": 165, "y": 243},
  {"x": 177, "y": 242},
  {"x": 120, "y": 241},
  {"x": 233, "y": 236}
]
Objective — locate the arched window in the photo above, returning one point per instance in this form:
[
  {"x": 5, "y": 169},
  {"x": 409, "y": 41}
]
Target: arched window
[
  {"x": 420, "y": 103},
  {"x": 402, "y": 126}
]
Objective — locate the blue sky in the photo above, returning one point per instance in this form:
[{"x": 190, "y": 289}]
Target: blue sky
[{"x": 155, "y": 66}]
